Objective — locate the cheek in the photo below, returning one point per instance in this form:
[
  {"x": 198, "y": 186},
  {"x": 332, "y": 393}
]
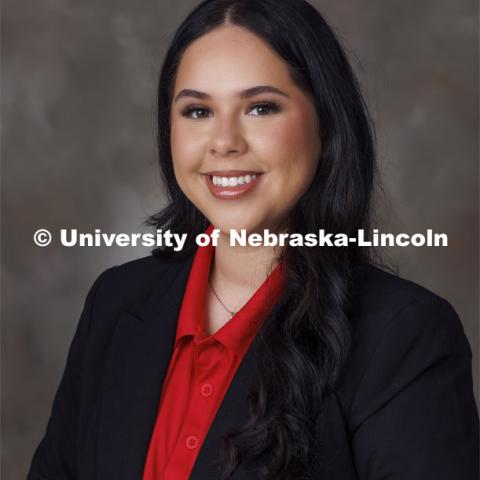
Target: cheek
[
  {"x": 185, "y": 149},
  {"x": 293, "y": 149}
]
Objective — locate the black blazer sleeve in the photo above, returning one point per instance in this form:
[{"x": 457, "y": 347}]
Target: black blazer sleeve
[
  {"x": 415, "y": 409},
  {"x": 56, "y": 455}
]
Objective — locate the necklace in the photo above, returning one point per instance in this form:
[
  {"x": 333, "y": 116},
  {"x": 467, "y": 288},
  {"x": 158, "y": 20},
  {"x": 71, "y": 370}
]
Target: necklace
[{"x": 232, "y": 313}]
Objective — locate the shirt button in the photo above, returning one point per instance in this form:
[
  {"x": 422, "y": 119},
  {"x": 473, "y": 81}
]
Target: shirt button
[
  {"x": 191, "y": 442},
  {"x": 207, "y": 389}
]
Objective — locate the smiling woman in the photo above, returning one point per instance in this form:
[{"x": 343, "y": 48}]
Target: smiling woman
[
  {"x": 247, "y": 122},
  {"x": 266, "y": 362}
]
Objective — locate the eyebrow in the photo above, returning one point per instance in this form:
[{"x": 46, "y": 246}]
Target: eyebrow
[{"x": 249, "y": 92}]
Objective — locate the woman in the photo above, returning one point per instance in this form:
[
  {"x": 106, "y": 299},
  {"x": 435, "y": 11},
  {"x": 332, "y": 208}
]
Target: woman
[{"x": 256, "y": 362}]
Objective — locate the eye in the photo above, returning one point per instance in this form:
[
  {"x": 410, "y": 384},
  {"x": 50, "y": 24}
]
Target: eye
[
  {"x": 261, "y": 109},
  {"x": 195, "y": 113},
  {"x": 266, "y": 108}
]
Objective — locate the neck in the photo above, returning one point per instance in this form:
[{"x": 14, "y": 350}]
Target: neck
[{"x": 242, "y": 268}]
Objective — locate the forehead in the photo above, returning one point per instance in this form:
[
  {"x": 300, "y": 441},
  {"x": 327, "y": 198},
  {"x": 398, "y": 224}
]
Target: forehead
[{"x": 230, "y": 58}]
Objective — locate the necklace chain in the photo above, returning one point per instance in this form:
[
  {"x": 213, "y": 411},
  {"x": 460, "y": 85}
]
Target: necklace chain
[{"x": 232, "y": 313}]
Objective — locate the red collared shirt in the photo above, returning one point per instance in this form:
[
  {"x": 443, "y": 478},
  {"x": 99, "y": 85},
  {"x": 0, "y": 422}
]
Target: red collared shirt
[{"x": 201, "y": 370}]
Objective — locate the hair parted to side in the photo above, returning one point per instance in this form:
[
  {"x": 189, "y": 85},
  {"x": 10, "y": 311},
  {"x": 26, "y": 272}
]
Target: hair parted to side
[{"x": 303, "y": 349}]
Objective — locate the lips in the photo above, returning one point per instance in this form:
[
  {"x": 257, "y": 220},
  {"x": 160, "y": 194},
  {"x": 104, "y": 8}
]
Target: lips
[{"x": 232, "y": 192}]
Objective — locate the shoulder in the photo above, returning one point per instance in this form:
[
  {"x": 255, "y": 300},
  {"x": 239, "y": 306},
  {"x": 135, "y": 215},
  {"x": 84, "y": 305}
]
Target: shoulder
[
  {"x": 407, "y": 391},
  {"x": 382, "y": 299},
  {"x": 376, "y": 283},
  {"x": 129, "y": 284},
  {"x": 145, "y": 269},
  {"x": 399, "y": 330}
]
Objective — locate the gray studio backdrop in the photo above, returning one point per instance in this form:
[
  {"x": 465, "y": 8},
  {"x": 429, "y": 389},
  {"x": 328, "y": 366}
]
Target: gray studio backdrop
[{"x": 78, "y": 91}]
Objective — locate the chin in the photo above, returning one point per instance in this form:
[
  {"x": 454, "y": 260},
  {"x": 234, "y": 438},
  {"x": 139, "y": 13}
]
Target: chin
[{"x": 225, "y": 225}]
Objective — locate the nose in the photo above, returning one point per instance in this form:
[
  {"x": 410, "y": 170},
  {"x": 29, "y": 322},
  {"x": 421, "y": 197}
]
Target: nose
[{"x": 227, "y": 138}]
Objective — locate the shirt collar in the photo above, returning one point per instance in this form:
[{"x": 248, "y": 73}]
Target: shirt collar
[{"x": 237, "y": 333}]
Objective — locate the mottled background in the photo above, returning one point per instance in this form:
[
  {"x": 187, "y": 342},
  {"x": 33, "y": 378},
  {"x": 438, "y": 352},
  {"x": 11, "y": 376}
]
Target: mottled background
[{"x": 78, "y": 86}]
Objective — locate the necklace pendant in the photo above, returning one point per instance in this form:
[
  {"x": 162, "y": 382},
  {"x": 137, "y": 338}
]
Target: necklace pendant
[{"x": 231, "y": 315}]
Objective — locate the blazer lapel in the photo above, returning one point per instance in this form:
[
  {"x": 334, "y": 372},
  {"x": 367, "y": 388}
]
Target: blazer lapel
[
  {"x": 138, "y": 359},
  {"x": 139, "y": 355},
  {"x": 233, "y": 412}
]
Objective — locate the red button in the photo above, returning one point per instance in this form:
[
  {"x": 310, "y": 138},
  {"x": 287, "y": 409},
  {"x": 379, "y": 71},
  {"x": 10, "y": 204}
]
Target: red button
[
  {"x": 207, "y": 389},
  {"x": 191, "y": 442}
]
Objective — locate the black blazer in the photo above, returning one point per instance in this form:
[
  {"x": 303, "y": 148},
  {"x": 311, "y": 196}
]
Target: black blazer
[{"x": 404, "y": 409}]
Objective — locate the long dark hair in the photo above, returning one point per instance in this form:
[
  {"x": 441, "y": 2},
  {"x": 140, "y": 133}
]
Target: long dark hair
[{"x": 304, "y": 348}]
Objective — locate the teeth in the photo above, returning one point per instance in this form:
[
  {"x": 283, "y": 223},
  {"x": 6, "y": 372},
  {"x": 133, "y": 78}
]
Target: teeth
[{"x": 232, "y": 181}]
